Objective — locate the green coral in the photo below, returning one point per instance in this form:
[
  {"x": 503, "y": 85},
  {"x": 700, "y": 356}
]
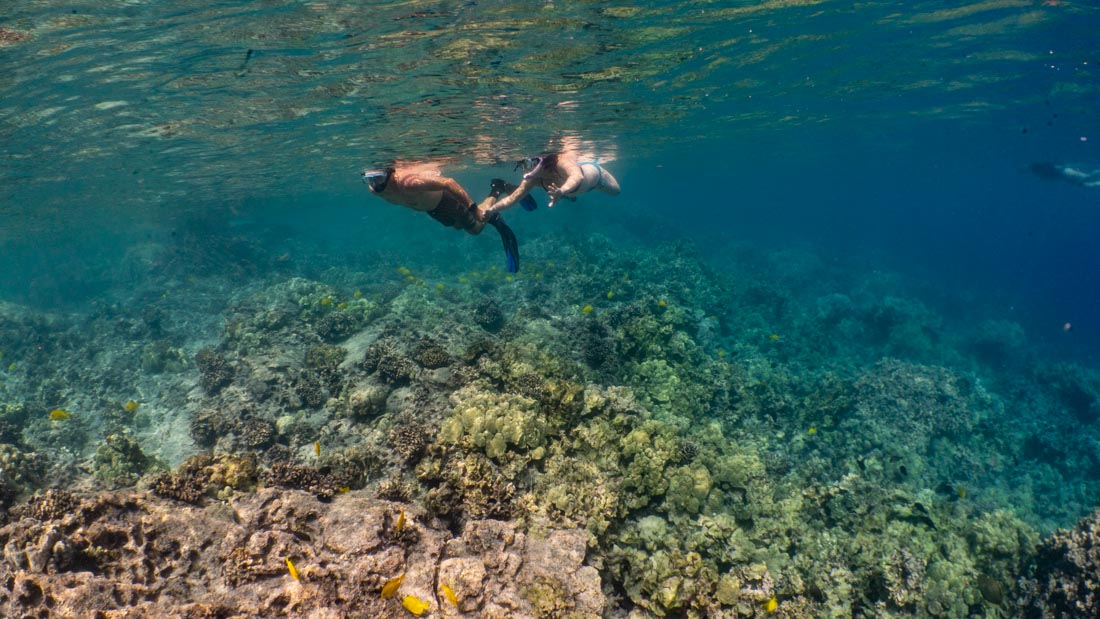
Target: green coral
[
  {"x": 645, "y": 452},
  {"x": 119, "y": 461},
  {"x": 495, "y": 423},
  {"x": 576, "y": 492}
]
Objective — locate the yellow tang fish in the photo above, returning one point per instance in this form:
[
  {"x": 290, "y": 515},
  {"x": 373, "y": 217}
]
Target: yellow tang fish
[
  {"x": 317, "y": 448},
  {"x": 391, "y": 587},
  {"x": 131, "y": 406},
  {"x": 449, "y": 593},
  {"x": 586, "y": 309},
  {"x": 401, "y": 521},
  {"x": 415, "y": 605},
  {"x": 58, "y": 414},
  {"x": 771, "y": 605},
  {"x": 293, "y": 570}
]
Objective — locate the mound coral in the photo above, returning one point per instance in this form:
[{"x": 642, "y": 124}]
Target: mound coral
[{"x": 494, "y": 423}]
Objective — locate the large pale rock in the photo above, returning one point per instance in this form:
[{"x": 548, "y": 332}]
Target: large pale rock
[{"x": 128, "y": 555}]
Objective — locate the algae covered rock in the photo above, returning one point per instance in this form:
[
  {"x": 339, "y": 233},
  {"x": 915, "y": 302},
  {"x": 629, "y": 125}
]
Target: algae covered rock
[
  {"x": 125, "y": 553},
  {"x": 496, "y": 571}
]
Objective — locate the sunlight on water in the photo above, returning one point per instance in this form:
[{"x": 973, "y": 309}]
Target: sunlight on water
[{"x": 243, "y": 98}]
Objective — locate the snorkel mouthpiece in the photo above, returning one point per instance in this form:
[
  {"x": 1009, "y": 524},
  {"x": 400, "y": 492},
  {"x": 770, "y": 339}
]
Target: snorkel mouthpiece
[{"x": 529, "y": 165}]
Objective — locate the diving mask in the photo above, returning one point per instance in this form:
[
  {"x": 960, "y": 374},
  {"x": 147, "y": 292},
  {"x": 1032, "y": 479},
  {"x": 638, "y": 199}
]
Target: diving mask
[
  {"x": 377, "y": 179},
  {"x": 528, "y": 164}
]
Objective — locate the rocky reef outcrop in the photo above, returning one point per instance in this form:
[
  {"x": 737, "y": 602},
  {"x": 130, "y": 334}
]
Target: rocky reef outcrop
[{"x": 128, "y": 554}]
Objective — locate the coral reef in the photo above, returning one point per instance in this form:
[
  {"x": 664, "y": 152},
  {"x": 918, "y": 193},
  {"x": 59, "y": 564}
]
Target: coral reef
[
  {"x": 215, "y": 371},
  {"x": 1065, "y": 578},
  {"x": 634, "y": 436},
  {"x": 120, "y": 462}
]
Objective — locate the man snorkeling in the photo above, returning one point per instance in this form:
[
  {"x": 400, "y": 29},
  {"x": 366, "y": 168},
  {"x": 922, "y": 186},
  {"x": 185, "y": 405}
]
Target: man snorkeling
[
  {"x": 444, "y": 200},
  {"x": 561, "y": 175},
  {"x": 1070, "y": 174}
]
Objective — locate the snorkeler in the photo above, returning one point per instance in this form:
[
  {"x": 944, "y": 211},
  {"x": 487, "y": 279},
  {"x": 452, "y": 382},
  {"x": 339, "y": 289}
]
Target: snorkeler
[
  {"x": 1070, "y": 174},
  {"x": 561, "y": 175},
  {"x": 444, "y": 200}
]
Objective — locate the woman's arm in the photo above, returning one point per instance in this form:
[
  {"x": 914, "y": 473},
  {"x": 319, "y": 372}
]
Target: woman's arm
[
  {"x": 574, "y": 178},
  {"x": 510, "y": 200}
]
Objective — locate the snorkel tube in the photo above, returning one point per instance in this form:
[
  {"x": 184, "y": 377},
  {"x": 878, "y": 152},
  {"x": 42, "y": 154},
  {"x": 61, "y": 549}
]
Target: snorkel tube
[{"x": 530, "y": 164}]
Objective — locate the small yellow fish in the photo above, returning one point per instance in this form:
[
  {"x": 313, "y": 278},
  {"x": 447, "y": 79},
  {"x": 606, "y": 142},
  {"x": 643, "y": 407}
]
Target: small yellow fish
[
  {"x": 293, "y": 570},
  {"x": 721, "y": 353},
  {"x": 586, "y": 309},
  {"x": 449, "y": 593},
  {"x": 58, "y": 414},
  {"x": 403, "y": 270},
  {"x": 961, "y": 491},
  {"x": 401, "y": 521},
  {"x": 342, "y": 305},
  {"x": 610, "y": 295},
  {"x": 774, "y": 337},
  {"x": 463, "y": 280},
  {"x": 131, "y": 406},
  {"x": 391, "y": 587},
  {"x": 357, "y": 294},
  {"x": 11, "y": 366},
  {"x": 771, "y": 605},
  {"x": 812, "y": 430},
  {"x": 343, "y": 490},
  {"x": 662, "y": 303},
  {"x": 327, "y": 301},
  {"x": 415, "y": 605},
  {"x": 317, "y": 448}
]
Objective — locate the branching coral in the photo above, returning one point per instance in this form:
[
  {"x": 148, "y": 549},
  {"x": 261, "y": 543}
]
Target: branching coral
[
  {"x": 1065, "y": 579},
  {"x": 430, "y": 353},
  {"x": 215, "y": 371}
]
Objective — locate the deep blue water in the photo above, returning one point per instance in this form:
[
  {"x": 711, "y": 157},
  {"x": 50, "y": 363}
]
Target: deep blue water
[{"x": 895, "y": 133}]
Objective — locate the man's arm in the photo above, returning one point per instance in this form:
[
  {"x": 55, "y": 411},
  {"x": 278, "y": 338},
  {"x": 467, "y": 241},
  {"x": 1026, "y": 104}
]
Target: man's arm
[{"x": 442, "y": 183}]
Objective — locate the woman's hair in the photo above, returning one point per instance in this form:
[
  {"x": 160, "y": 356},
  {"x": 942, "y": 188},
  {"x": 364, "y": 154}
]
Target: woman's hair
[{"x": 549, "y": 160}]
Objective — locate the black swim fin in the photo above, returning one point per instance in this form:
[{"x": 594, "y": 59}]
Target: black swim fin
[
  {"x": 498, "y": 187},
  {"x": 511, "y": 245}
]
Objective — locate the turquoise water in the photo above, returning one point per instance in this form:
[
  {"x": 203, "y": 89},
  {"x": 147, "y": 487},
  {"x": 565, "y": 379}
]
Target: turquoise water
[
  {"x": 902, "y": 130},
  {"x": 830, "y": 244}
]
